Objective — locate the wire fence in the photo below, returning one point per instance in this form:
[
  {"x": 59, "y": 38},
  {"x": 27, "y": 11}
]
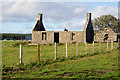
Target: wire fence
[
  {"x": 66, "y": 50},
  {"x": 12, "y": 55}
]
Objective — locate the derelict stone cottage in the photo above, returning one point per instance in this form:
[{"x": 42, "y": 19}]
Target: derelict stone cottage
[{"x": 40, "y": 35}]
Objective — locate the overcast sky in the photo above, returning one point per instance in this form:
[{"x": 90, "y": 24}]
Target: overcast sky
[{"x": 20, "y": 17}]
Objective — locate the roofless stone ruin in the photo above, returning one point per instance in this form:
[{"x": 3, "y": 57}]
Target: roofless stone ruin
[{"x": 41, "y": 36}]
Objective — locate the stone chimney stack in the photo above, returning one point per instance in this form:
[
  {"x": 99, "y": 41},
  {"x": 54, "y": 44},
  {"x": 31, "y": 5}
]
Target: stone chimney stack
[
  {"x": 88, "y": 16},
  {"x": 39, "y": 24},
  {"x": 88, "y": 30},
  {"x": 39, "y": 17}
]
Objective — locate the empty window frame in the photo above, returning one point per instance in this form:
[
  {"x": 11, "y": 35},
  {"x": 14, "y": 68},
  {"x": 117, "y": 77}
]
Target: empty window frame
[
  {"x": 44, "y": 36},
  {"x": 72, "y": 36}
]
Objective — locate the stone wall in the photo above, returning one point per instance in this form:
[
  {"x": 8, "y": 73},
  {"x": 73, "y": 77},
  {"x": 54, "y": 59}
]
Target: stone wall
[
  {"x": 101, "y": 35},
  {"x": 64, "y": 36},
  {"x": 39, "y": 35}
]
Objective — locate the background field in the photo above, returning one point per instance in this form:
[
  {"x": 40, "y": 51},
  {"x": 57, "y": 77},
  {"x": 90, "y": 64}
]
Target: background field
[{"x": 97, "y": 65}]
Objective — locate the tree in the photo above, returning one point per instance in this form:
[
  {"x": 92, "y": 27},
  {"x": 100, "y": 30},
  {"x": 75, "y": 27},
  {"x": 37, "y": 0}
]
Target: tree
[{"x": 106, "y": 21}]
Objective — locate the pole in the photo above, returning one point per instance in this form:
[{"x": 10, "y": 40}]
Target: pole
[
  {"x": 85, "y": 47},
  {"x": 77, "y": 48},
  {"x": 107, "y": 45},
  {"x": 112, "y": 44},
  {"x": 38, "y": 52},
  {"x": 20, "y": 53},
  {"x": 93, "y": 46},
  {"x": 118, "y": 43},
  {"x": 66, "y": 50},
  {"x": 55, "y": 51},
  {"x": 100, "y": 45}
]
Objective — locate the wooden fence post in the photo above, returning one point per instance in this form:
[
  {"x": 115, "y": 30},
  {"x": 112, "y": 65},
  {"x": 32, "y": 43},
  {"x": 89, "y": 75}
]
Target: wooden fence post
[
  {"x": 85, "y": 47},
  {"x": 100, "y": 45},
  {"x": 55, "y": 51},
  {"x": 20, "y": 53},
  {"x": 107, "y": 45},
  {"x": 77, "y": 49},
  {"x": 118, "y": 45},
  {"x": 38, "y": 52},
  {"x": 93, "y": 46},
  {"x": 66, "y": 50},
  {"x": 112, "y": 44}
]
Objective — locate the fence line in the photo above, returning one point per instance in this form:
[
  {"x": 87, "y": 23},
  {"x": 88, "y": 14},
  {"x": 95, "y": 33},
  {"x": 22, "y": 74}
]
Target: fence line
[{"x": 100, "y": 48}]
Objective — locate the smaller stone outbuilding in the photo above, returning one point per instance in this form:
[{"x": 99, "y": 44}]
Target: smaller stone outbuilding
[{"x": 105, "y": 34}]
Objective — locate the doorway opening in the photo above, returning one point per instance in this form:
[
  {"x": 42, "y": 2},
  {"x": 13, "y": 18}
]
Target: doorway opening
[{"x": 56, "y": 37}]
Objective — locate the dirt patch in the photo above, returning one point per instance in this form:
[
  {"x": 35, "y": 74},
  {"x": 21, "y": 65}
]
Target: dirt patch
[
  {"x": 61, "y": 70},
  {"x": 65, "y": 74},
  {"x": 45, "y": 73},
  {"x": 89, "y": 72},
  {"x": 93, "y": 72},
  {"x": 106, "y": 70},
  {"x": 8, "y": 77},
  {"x": 69, "y": 69}
]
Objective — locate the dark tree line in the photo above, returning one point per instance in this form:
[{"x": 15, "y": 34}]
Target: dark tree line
[{"x": 13, "y": 36}]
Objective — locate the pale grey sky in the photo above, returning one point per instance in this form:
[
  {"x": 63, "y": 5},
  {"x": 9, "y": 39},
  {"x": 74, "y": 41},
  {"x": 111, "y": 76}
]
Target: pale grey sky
[{"x": 20, "y": 17}]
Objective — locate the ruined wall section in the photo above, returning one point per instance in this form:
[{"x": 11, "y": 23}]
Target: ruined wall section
[
  {"x": 64, "y": 36},
  {"x": 37, "y": 37},
  {"x": 101, "y": 35}
]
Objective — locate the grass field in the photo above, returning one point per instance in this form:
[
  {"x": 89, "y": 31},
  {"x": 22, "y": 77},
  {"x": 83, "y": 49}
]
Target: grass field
[{"x": 92, "y": 65}]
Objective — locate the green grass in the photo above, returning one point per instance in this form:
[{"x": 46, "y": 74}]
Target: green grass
[{"x": 93, "y": 65}]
